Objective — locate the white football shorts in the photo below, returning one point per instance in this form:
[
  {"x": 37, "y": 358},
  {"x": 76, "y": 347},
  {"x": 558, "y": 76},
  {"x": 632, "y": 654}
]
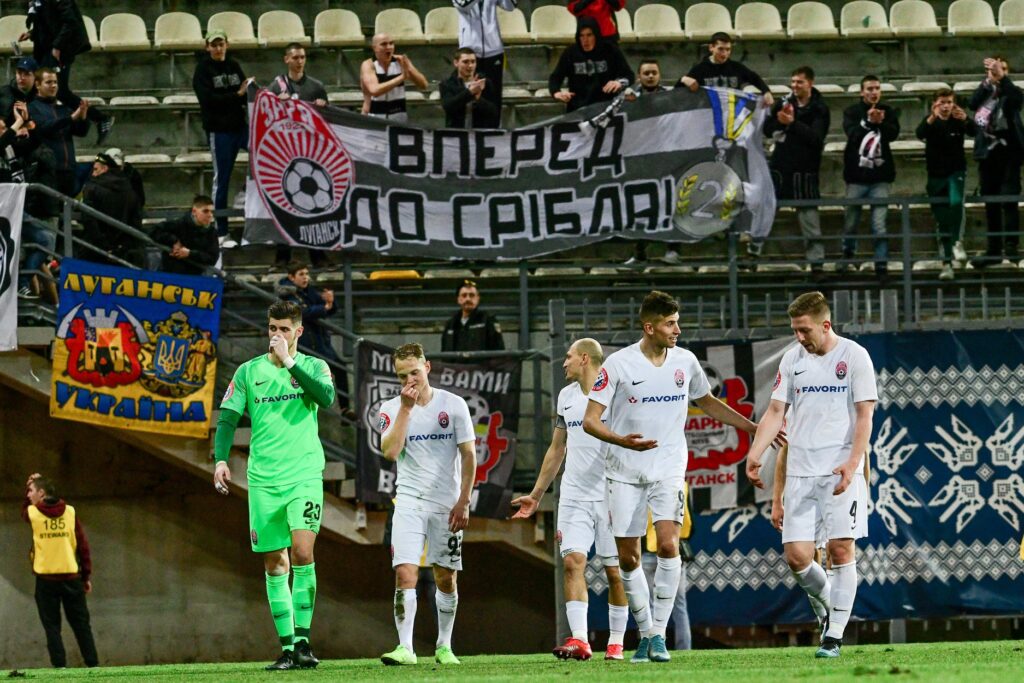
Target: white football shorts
[
  {"x": 808, "y": 502},
  {"x": 412, "y": 530},
  {"x": 628, "y": 503},
  {"x": 584, "y": 524}
]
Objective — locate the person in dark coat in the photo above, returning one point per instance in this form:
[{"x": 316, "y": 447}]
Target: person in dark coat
[
  {"x": 999, "y": 149},
  {"x": 471, "y": 329},
  {"x": 22, "y": 88},
  {"x": 596, "y": 70},
  {"x": 868, "y": 168},
  {"x": 943, "y": 132},
  {"x": 111, "y": 193},
  {"x": 58, "y": 36},
  {"x": 316, "y": 306},
  {"x": 799, "y": 123},
  {"x": 462, "y": 95},
  {"x": 191, "y": 238},
  {"x": 57, "y": 125}
]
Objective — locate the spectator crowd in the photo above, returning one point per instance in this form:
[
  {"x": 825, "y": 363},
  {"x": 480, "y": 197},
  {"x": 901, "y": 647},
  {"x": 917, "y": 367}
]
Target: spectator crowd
[{"x": 41, "y": 117}]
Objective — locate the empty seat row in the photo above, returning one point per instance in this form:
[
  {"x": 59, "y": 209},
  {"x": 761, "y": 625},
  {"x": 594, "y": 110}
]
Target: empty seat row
[{"x": 550, "y": 24}]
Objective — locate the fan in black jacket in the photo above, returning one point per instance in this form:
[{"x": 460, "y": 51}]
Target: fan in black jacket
[
  {"x": 470, "y": 329},
  {"x": 192, "y": 239},
  {"x": 58, "y": 36},
  {"x": 110, "y": 192},
  {"x": 596, "y": 70},
  {"x": 462, "y": 95},
  {"x": 799, "y": 124},
  {"x": 868, "y": 168}
]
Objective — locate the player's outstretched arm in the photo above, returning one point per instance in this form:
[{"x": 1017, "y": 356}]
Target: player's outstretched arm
[
  {"x": 320, "y": 388},
  {"x": 779, "y": 485},
  {"x": 459, "y": 517},
  {"x": 222, "y": 442},
  {"x": 861, "y": 436},
  {"x": 548, "y": 471},
  {"x": 767, "y": 432},
  {"x": 599, "y": 430}
]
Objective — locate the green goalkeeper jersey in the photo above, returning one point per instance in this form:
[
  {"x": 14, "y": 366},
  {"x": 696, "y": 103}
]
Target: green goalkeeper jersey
[{"x": 285, "y": 446}]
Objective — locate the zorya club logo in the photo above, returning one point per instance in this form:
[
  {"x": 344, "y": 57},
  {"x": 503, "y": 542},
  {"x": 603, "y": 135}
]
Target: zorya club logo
[
  {"x": 301, "y": 168},
  {"x": 602, "y": 380},
  {"x": 442, "y": 419},
  {"x": 384, "y": 422},
  {"x": 680, "y": 378},
  {"x": 841, "y": 370}
]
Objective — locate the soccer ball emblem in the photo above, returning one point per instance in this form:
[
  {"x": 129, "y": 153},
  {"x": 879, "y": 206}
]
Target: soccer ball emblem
[
  {"x": 680, "y": 378},
  {"x": 442, "y": 419},
  {"x": 308, "y": 186},
  {"x": 841, "y": 370},
  {"x": 714, "y": 378}
]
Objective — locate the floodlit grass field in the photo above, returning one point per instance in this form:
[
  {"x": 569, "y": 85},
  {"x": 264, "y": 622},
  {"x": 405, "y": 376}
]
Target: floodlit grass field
[{"x": 1001, "y": 661}]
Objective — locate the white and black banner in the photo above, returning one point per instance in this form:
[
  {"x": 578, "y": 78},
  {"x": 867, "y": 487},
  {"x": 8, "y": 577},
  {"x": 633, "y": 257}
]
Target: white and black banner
[
  {"x": 677, "y": 167},
  {"x": 12, "y": 204}
]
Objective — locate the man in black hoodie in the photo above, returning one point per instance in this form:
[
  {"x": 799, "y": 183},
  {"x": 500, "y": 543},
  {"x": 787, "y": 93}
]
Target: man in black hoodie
[
  {"x": 799, "y": 124},
  {"x": 58, "y": 35},
  {"x": 192, "y": 239},
  {"x": 462, "y": 95},
  {"x": 111, "y": 193},
  {"x": 943, "y": 131},
  {"x": 720, "y": 71},
  {"x": 999, "y": 149},
  {"x": 868, "y": 168},
  {"x": 62, "y": 565},
  {"x": 596, "y": 70},
  {"x": 220, "y": 86}
]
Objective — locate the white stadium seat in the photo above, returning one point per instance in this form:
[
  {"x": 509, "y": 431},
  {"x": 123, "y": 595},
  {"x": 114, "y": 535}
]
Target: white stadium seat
[
  {"x": 656, "y": 22},
  {"x": 401, "y": 24},
  {"x": 122, "y": 31},
  {"x": 338, "y": 28},
  {"x": 238, "y": 26},
  {"x": 972, "y": 18},
  {"x": 513, "y": 27},
  {"x": 441, "y": 26},
  {"x": 625, "y": 24},
  {"x": 278, "y": 28},
  {"x": 864, "y": 19},
  {"x": 553, "y": 24},
  {"x": 11, "y": 27},
  {"x": 759, "y": 20},
  {"x": 1011, "y": 18},
  {"x": 811, "y": 20},
  {"x": 178, "y": 31},
  {"x": 913, "y": 19},
  {"x": 706, "y": 18}
]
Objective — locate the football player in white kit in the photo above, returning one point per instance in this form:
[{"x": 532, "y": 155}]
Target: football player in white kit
[
  {"x": 829, "y": 384},
  {"x": 430, "y": 433},
  {"x": 646, "y": 389},
  {"x": 582, "y": 509}
]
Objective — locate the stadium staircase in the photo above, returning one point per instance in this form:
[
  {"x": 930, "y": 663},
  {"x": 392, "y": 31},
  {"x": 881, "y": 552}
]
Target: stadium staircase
[{"x": 28, "y": 373}]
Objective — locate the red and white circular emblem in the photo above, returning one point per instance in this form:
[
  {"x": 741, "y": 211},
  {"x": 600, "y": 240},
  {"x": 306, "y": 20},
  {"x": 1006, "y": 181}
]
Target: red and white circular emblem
[
  {"x": 384, "y": 422},
  {"x": 230, "y": 391},
  {"x": 442, "y": 419},
  {"x": 602, "y": 380},
  {"x": 841, "y": 369},
  {"x": 680, "y": 378},
  {"x": 778, "y": 380}
]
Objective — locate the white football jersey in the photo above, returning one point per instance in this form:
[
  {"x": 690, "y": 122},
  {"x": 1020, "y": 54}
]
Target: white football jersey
[
  {"x": 822, "y": 391},
  {"x": 642, "y": 398},
  {"x": 583, "y": 480},
  {"x": 429, "y": 467}
]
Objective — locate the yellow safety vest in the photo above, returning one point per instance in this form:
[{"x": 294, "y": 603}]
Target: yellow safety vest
[{"x": 54, "y": 544}]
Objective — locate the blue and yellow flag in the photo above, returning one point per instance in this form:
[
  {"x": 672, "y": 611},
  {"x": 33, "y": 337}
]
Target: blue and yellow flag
[{"x": 136, "y": 349}]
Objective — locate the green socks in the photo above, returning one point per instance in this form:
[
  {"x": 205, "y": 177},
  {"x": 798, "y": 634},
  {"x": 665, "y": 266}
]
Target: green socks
[
  {"x": 303, "y": 597},
  {"x": 280, "y": 598}
]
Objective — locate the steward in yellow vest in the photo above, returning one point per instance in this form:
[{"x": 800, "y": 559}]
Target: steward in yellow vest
[{"x": 62, "y": 565}]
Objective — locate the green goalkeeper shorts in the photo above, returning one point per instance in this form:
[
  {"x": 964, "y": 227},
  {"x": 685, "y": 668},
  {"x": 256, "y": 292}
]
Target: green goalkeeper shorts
[{"x": 276, "y": 511}]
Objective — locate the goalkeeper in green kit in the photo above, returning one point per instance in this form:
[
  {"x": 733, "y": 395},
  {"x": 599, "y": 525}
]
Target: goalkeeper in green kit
[{"x": 282, "y": 391}]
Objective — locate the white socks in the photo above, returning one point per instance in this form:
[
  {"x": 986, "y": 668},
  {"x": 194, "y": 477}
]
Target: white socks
[
  {"x": 666, "y": 585},
  {"x": 447, "y": 603},
  {"x": 844, "y": 590},
  {"x": 618, "y": 615},
  {"x": 405, "y": 615},
  {"x": 639, "y": 597},
  {"x": 576, "y": 612},
  {"x": 814, "y": 581}
]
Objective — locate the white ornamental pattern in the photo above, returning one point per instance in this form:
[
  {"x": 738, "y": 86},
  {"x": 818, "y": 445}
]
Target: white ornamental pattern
[
  {"x": 876, "y": 565},
  {"x": 953, "y": 386}
]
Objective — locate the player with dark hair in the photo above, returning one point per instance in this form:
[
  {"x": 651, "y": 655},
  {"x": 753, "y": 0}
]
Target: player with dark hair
[
  {"x": 282, "y": 390},
  {"x": 646, "y": 389},
  {"x": 828, "y": 382},
  {"x": 429, "y": 432}
]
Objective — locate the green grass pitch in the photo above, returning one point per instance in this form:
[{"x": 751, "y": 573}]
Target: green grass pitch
[{"x": 1001, "y": 661}]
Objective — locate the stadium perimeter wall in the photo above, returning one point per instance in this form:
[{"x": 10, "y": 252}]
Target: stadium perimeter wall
[{"x": 174, "y": 579}]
